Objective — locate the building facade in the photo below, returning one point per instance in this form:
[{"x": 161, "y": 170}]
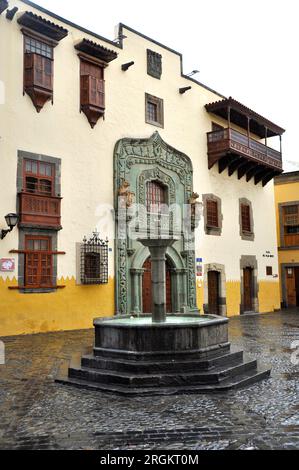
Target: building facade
[
  {"x": 90, "y": 128},
  {"x": 287, "y": 216}
]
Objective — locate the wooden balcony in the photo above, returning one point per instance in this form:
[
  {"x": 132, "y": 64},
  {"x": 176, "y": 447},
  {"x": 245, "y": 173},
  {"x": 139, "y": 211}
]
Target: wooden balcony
[
  {"x": 239, "y": 153},
  {"x": 36, "y": 210}
]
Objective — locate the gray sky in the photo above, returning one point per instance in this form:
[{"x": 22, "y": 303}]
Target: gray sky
[{"x": 248, "y": 50}]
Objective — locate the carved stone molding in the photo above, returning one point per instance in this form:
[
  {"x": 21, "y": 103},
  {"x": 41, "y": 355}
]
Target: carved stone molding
[{"x": 138, "y": 161}]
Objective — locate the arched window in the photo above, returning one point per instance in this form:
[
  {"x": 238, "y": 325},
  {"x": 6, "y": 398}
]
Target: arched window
[{"x": 156, "y": 196}]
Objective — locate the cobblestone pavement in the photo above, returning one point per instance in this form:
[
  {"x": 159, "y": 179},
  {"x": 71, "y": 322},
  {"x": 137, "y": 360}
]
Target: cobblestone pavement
[{"x": 36, "y": 413}]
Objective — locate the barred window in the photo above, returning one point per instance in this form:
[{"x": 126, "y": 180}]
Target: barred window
[
  {"x": 94, "y": 260},
  {"x": 154, "y": 110}
]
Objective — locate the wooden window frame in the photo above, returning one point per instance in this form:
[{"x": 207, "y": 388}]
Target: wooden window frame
[
  {"x": 92, "y": 82},
  {"x": 39, "y": 177},
  {"x": 269, "y": 271},
  {"x": 39, "y": 90},
  {"x": 39, "y": 254},
  {"x": 152, "y": 189},
  {"x": 160, "y": 110}
]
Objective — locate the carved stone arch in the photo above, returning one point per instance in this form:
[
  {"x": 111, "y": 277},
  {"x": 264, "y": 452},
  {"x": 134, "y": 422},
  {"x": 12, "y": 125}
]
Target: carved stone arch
[
  {"x": 178, "y": 279},
  {"x": 136, "y": 161}
]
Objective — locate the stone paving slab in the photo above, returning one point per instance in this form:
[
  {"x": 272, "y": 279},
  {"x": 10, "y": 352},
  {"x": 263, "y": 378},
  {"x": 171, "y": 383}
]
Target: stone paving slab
[{"x": 37, "y": 413}]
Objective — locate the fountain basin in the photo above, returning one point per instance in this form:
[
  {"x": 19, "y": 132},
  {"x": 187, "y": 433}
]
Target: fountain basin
[{"x": 178, "y": 335}]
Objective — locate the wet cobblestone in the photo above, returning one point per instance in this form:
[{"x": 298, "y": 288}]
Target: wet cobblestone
[{"x": 36, "y": 413}]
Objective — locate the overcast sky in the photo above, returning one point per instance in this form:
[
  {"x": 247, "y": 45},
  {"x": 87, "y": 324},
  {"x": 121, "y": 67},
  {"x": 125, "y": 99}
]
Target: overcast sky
[{"x": 248, "y": 50}]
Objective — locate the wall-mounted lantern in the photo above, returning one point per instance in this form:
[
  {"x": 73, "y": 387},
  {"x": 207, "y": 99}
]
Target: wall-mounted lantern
[{"x": 11, "y": 220}]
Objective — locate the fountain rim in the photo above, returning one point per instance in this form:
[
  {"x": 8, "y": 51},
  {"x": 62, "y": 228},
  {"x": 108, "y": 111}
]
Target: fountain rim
[{"x": 111, "y": 322}]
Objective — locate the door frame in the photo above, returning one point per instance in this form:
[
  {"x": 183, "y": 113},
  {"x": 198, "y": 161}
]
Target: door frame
[
  {"x": 284, "y": 290},
  {"x": 249, "y": 261},
  {"x": 220, "y": 268}
]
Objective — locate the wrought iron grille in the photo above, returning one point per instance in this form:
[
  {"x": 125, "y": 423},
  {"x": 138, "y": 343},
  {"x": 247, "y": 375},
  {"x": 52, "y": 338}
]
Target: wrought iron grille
[{"x": 94, "y": 260}]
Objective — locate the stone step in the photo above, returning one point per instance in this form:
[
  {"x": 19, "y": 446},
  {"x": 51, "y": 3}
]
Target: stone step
[
  {"x": 138, "y": 367},
  {"x": 243, "y": 380},
  {"x": 200, "y": 355},
  {"x": 159, "y": 380}
]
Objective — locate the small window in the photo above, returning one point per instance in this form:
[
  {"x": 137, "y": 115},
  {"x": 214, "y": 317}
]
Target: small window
[
  {"x": 38, "y": 47},
  {"x": 212, "y": 214},
  {"x": 245, "y": 217},
  {"x": 94, "y": 261},
  {"x": 154, "y": 64},
  {"x": 154, "y": 110},
  {"x": 38, "y": 177},
  {"x": 269, "y": 271}
]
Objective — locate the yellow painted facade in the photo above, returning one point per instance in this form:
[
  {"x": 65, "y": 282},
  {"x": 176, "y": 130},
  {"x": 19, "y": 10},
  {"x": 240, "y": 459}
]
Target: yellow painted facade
[
  {"x": 71, "y": 308},
  {"x": 286, "y": 191},
  {"x": 86, "y": 154}
]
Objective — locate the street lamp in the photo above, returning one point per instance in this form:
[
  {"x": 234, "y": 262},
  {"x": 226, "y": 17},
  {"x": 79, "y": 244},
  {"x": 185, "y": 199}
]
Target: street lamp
[{"x": 11, "y": 220}]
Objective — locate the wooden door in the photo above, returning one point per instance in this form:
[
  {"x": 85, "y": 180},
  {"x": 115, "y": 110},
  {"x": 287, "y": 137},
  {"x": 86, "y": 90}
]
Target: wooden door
[
  {"x": 291, "y": 287},
  {"x": 213, "y": 290},
  {"x": 147, "y": 287},
  {"x": 248, "y": 289}
]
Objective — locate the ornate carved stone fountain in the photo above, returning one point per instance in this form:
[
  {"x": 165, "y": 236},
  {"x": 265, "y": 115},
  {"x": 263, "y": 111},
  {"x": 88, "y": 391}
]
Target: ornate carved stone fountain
[{"x": 162, "y": 354}]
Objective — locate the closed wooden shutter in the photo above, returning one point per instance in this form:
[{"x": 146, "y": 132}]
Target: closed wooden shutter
[
  {"x": 38, "y": 71},
  {"x": 245, "y": 217},
  {"x": 212, "y": 213}
]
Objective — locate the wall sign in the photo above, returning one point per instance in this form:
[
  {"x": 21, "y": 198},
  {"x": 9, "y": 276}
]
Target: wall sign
[
  {"x": 7, "y": 265},
  {"x": 268, "y": 255}
]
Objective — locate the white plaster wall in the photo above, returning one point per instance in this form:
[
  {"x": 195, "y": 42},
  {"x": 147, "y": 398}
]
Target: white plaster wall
[{"x": 87, "y": 154}]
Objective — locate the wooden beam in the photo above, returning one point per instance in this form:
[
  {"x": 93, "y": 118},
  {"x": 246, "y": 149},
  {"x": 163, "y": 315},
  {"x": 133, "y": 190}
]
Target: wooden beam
[
  {"x": 261, "y": 175},
  {"x": 269, "y": 177},
  {"x": 223, "y": 163},
  {"x": 234, "y": 165},
  {"x": 251, "y": 173},
  {"x": 245, "y": 168}
]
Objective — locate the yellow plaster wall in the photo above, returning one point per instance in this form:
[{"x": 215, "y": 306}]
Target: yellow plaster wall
[
  {"x": 269, "y": 296},
  {"x": 71, "y": 308},
  {"x": 284, "y": 193},
  {"x": 200, "y": 295},
  {"x": 233, "y": 298}
]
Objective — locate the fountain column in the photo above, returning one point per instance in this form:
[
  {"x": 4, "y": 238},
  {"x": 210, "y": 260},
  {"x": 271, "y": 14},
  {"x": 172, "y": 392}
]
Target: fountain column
[{"x": 158, "y": 248}]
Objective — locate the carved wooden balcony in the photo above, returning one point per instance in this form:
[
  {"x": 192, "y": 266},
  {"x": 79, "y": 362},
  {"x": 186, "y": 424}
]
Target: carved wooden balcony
[
  {"x": 237, "y": 152},
  {"x": 39, "y": 211}
]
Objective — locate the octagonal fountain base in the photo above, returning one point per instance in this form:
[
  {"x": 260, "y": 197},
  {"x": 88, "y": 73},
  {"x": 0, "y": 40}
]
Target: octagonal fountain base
[{"x": 186, "y": 354}]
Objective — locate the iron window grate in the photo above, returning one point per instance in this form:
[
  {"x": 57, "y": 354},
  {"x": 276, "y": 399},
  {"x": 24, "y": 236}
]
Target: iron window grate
[{"x": 94, "y": 260}]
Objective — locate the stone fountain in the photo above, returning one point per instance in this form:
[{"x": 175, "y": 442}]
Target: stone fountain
[{"x": 162, "y": 353}]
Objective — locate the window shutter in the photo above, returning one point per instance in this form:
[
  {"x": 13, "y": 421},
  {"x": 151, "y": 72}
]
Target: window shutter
[
  {"x": 245, "y": 217},
  {"x": 29, "y": 70},
  {"x": 212, "y": 214}
]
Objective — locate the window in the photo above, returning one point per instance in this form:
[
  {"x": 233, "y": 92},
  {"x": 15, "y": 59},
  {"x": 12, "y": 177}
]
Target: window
[
  {"x": 155, "y": 197},
  {"x": 38, "y": 71},
  {"x": 37, "y": 47},
  {"x": 291, "y": 225},
  {"x": 94, "y": 261},
  {"x": 38, "y": 177},
  {"x": 245, "y": 218},
  {"x": 154, "y": 110},
  {"x": 213, "y": 217},
  {"x": 154, "y": 64},
  {"x": 92, "y": 90},
  {"x": 269, "y": 271},
  {"x": 212, "y": 214},
  {"x": 38, "y": 262}
]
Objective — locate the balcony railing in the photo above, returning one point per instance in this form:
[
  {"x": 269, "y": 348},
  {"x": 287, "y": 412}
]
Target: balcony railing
[
  {"x": 230, "y": 141},
  {"x": 39, "y": 211}
]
